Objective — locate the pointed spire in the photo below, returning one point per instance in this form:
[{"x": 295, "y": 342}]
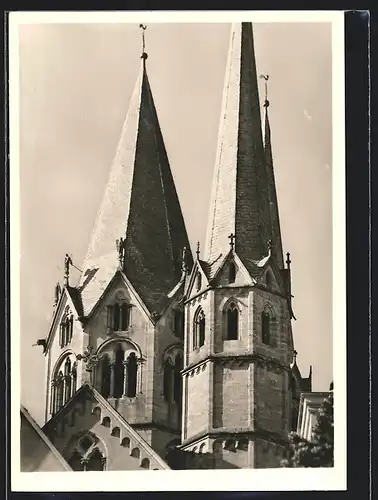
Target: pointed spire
[
  {"x": 239, "y": 203},
  {"x": 272, "y": 193},
  {"x": 140, "y": 206}
]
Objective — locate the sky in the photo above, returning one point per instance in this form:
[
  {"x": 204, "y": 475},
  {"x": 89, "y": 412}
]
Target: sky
[{"x": 76, "y": 82}]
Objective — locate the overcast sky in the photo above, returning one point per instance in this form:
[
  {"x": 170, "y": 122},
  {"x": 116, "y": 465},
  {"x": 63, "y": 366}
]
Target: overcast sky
[{"x": 75, "y": 85}]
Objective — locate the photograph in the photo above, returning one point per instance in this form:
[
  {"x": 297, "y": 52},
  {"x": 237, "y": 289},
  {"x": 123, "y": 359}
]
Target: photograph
[{"x": 175, "y": 245}]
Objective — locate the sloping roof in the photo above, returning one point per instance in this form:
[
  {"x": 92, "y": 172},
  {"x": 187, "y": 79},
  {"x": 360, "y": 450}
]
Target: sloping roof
[
  {"x": 87, "y": 391},
  {"x": 240, "y": 199},
  {"x": 141, "y": 205},
  {"x": 34, "y": 447}
]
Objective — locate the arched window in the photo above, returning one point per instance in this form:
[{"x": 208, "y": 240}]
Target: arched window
[
  {"x": 167, "y": 380},
  {"x": 66, "y": 328},
  {"x": 265, "y": 327},
  {"x": 118, "y": 372},
  {"x": 105, "y": 376},
  {"x": 177, "y": 380},
  {"x": 232, "y": 319},
  {"x": 67, "y": 380},
  {"x": 199, "y": 329},
  {"x": 59, "y": 391},
  {"x": 74, "y": 377},
  {"x": 95, "y": 462},
  {"x": 117, "y": 317},
  {"x": 199, "y": 281},
  {"x": 125, "y": 316},
  {"x": 231, "y": 272},
  {"x": 70, "y": 328},
  {"x": 132, "y": 367}
]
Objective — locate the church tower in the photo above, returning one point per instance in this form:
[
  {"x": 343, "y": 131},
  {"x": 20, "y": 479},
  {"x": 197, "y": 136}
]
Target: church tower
[
  {"x": 120, "y": 330},
  {"x": 238, "y": 337}
]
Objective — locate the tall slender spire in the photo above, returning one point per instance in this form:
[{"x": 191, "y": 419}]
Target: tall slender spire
[
  {"x": 239, "y": 203},
  {"x": 140, "y": 206},
  {"x": 277, "y": 251}
]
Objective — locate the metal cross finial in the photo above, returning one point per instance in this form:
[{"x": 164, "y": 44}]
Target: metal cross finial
[
  {"x": 266, "y": 78},
  {"x": 231, "y": 237},
  {"x": 143, "y": 27},
  {"x": 288, "y": 261},
  {"x": 198, "y": 249},
  {"x": 295, "y": 354}
]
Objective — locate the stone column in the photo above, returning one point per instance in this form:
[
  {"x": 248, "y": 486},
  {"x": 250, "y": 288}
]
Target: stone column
[
  {"x": 124, "y": 377},
  {"x": 112, "y": 378},
  {"x": 52, "y": 397},
  {"x": 140, "y": 363}
]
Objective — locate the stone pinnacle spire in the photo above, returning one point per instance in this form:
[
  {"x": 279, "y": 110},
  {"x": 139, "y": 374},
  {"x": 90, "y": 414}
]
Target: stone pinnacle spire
[
  {"x": 139, "y": 227},
  {"x": 240, "y": 204}
]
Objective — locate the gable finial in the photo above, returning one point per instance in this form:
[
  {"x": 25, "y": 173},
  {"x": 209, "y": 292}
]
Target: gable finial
[
  {"x": 67, "y": 264},
  {"x": 295, "y": 354},
  {"x": 198, "y": 249},
  {"x": 288, "y": 261},
  {"x": 144, "y": 55},
  {"x": 120, "y": 245},
  {"x": 231, "y": 237},
  {"x": 266, "y": 78}
]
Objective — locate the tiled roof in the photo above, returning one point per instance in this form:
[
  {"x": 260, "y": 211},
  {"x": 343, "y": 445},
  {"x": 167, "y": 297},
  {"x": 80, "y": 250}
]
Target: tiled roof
[
  {"x": 140, "y": 205},
  {"x": 240, "y": 194}
]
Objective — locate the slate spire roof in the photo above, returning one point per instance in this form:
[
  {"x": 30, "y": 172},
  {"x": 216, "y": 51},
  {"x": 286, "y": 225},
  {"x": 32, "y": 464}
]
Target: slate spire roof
[
  {"x": 141, "y": 206},
  {"x": 272, "y": 194},
  {"x": 240, "y": 191}
]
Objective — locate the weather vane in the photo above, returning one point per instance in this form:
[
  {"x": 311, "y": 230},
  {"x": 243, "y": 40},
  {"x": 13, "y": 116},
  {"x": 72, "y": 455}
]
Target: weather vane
[
  {"x": 143, "y": 27},
  {"x": 266, "y": 78}
]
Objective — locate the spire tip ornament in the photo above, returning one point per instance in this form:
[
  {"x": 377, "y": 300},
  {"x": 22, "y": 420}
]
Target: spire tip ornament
[
  {"x": 144, "y": 55},
  {"x": 266, "y": 102}
]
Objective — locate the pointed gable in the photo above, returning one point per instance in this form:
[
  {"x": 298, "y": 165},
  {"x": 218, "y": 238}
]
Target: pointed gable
[
  {"x": 239, "y": 203},
  {"x": 140, "y": 205}
]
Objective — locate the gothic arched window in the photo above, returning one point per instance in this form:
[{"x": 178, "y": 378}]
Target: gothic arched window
[
  {"x": 265, "y": 327},
  {"x": 199, "y": 329},
  {"x": 59, "y": 391},
  {"x": 66, "y": 328},
  {"x": 67, "y": 380},
  {"x": 232, "y": 315},
  {"x": 132, "y": 368},
  {"x": 118, "y": 372},
  {"x": 231, "y": 272},
  {"x": 105, "y": 376},
  {"x": 167, "y": 380}
]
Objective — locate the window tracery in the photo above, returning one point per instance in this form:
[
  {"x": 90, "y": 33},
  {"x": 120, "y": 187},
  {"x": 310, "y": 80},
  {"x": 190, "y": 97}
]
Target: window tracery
[
  {"x": 63, "y": 384},
  {"x": 86, "y": 455},
  {"x": 199, "y": 329},
  {"x": 232, "y": 321},
  {"x": 66, "y": 328}
]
